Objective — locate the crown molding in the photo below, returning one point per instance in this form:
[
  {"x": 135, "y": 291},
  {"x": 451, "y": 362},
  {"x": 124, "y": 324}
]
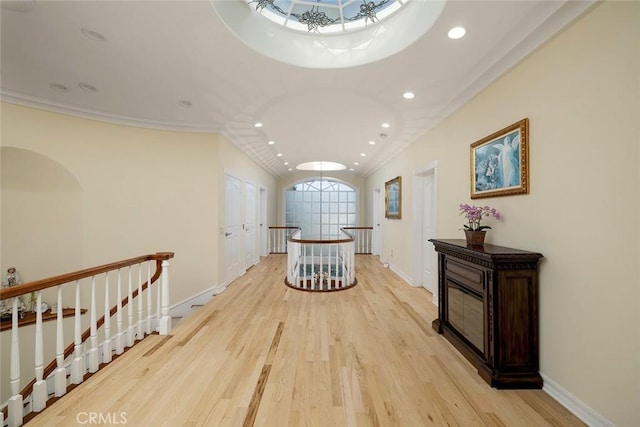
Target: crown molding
[{"x": 85, "y": 113}]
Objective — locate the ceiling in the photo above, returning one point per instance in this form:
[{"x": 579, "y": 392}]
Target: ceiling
[{"x": 175, "y": 65}]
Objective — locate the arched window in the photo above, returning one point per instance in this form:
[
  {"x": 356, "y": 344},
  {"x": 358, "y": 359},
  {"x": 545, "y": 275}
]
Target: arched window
[{"x": 320, "y": 207}]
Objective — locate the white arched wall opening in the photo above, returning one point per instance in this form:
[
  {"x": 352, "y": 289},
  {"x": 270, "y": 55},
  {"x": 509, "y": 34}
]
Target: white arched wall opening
[
  {"x": 424, "y": 227},
  {"x": 42, "y": 215}
]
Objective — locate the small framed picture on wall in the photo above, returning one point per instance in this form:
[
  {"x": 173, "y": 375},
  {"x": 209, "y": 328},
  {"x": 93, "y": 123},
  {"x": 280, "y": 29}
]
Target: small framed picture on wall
[{"x": 393, "y": 198}]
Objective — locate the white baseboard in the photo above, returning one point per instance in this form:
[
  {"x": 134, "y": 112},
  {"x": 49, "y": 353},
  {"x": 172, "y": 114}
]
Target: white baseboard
[
  {"x": 573, "y": 404},
  {"x": 401, "y": 274},
  {"x": 184, "y": 307}
]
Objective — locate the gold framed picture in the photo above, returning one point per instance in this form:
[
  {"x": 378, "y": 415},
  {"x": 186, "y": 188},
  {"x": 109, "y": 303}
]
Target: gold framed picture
[
  {"x": 500, "y": 162},
  {"x": 393, "y": 198}
]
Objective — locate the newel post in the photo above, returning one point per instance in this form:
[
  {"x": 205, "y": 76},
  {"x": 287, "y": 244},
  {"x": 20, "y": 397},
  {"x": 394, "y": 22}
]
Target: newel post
[
  {"x": 165, "y": 319},
  {"x": 15, "y": 401}
]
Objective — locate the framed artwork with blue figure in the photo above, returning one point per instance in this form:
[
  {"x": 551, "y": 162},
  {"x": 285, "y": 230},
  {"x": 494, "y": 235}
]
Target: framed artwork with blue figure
[
  {"x": 500, "y": 162},
  {"x": 393, "y": 198}
]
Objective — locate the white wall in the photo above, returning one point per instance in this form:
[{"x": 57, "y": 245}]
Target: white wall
[
  {"x": 581, "y": 94},
  {"x": 77, "y": 193}
]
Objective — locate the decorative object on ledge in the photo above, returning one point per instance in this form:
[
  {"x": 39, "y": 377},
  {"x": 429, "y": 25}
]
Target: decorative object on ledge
[
  {"x": 500, "y": 162},
  {"x": 393, "y": 198},
  {"x": 474, "y": 232},
  {"x": 10, "y": 279},
  {"x": 488, "y": 310}
]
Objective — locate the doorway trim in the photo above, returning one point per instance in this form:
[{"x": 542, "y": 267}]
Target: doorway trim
[
  {"x": 419, "y": 177},
  {"x": 263, "y": 221}
]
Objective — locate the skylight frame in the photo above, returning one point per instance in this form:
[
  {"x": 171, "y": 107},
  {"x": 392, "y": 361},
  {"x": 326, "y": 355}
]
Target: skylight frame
[{"x": 372, "y": 13}]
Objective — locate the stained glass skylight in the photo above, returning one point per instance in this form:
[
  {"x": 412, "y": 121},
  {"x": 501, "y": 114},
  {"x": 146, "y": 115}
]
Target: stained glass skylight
[{"x": 325, "y": 16}]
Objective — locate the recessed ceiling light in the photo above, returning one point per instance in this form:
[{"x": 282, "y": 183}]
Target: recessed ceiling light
[
  {"x": 363, "y": 155},
  {"x": 351, "y": 169},
  {"x": 271, "y": 142},
  {"x": 93, "y": 35},
  {"x": 58, "y": 87},
  {"x": 408, "y": 95},
  {"x": 356, "y": 163},
  {"x": 185, "y": 103},
  {"x": 372, "y": 143},
  {"x": 385, "y": 125},
  {"x": 88, "y": 88},
  {"x": 289, "y": 169},
  {"x": 279, "y": 154},
  {"x": 286, "y": 163},
  {"x": 456, "y": 33},
  {"x": 257, "y": 125}
]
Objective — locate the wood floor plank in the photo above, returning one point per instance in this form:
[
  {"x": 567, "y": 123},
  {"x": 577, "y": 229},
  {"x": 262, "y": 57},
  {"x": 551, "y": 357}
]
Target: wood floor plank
[{"x": 263, "y": 354}]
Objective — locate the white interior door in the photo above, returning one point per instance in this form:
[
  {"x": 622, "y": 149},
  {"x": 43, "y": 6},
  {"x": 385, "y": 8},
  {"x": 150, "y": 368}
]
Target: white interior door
[
  {"x": 249, "y": 224},
  {"x": 232, "y": 228},
  {"x": 424, "y": 227},
  {"x": 429, "y": 271},
  {"x": 376, "y": 214}
]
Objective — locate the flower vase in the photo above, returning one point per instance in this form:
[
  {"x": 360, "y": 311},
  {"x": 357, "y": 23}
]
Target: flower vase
[{"x": 475, "y": 238}]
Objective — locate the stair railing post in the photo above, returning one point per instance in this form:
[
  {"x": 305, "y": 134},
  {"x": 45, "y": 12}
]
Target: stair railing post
[
  {"x": 165, "y": 319},
  {"x": 106, "y": 346},
  {"x": 92, "y": 354},
  {"x": 61, "y": 372},
  {"x": 77, "y": 364},
  {"x": 15, "y": 401},
  {"x": 39, "y": 394}
]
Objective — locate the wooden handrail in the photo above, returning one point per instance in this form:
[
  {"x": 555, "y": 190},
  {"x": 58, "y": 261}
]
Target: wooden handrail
[
  {"x": 38, "y": 285},
  {"x": 18, "y": 290},
  {"x": 358, "y": 228},
  {"x": 324, "y": 241}
]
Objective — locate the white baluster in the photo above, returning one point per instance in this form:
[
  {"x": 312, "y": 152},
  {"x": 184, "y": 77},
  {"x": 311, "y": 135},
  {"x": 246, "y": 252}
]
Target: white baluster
[
  {"x": 61, "y": 372},
  {"x": 15, "y": 401},
  {"x": 130, "y": 323},
  {"x": 140, "y": 312},
  {"x": 39, "y": 394},
  {"x": 165, "y": 319},
  {"x": 159, "y": 304},
  {"x": 77, "y": 365},
  {"x": 106, "y": 345},
  {"x": 321, "y": 266},
  {"x": 313, "y": 264},
  {"x": 149, "y": 304},
  {"x": 352, "y": 263},
  {"x": 368, "y": 244},
  {"x": 344, "y": 271},
  {"x": 92, "y": 354},
  {"x": 335, "y": 284},
  {"x": 119, "y": 338}
]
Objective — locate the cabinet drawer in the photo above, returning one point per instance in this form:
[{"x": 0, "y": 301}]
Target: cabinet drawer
[{"x": 466, "y": 275}]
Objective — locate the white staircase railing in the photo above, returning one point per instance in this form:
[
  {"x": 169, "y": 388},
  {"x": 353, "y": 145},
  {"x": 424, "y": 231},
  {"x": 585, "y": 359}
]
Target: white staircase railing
[
  {"x": 278, "y": 236},
  {"x": 362, "y": 237},
  {"x": 322, "y": 264},
  {"x": 86, "y": 353}
]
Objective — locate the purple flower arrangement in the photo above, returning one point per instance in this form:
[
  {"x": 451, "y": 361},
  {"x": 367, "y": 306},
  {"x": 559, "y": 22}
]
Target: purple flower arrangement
[{"x": 474, "y": 215}]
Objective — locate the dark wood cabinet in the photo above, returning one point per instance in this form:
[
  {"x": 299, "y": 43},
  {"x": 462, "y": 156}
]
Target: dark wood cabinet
[{"x": 488, "y": 309}]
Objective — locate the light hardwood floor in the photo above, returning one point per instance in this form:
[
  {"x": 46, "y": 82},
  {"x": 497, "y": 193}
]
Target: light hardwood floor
[{"x": 263, "y": 354}]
